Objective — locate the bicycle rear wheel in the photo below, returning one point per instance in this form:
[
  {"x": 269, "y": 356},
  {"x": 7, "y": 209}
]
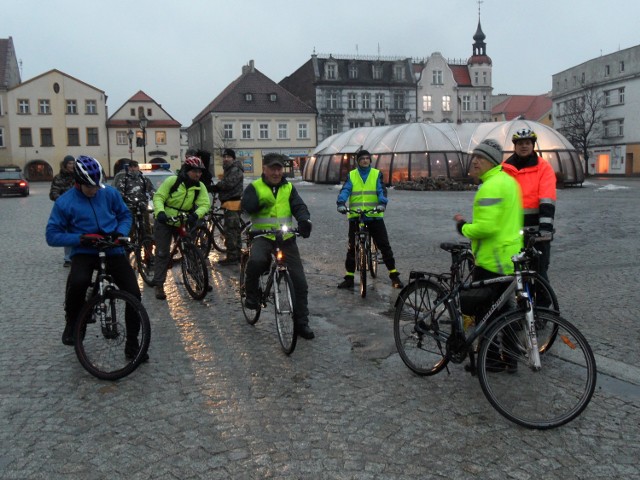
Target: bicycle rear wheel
[
  {"x": 546, "y": 398},
  {"x": 145, "y": 254},
  {"x": 362, "y": 266},
  {"x": 194, "y": 271},
  {"x": 203, "y": 240},
  {"x": 218, "y": 238},
  {"x": 251, "y": 316},
  {"x": 283, "y": 301},
  {"x": 112, "y": 335},
  {"x": 421, "y": 326}
]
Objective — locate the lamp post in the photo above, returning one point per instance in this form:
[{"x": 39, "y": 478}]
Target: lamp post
[
  {"x": 130, "y": 136},
  {"x": 143, "y": 126}
]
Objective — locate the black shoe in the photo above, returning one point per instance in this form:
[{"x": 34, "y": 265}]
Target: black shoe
[
  {"x": 130, "y": 352},
  {"x": 395, "y": 280},
  {"x": 229, "y": 261},
  {"x": 160, "y": 295},
  {"x": 250, "y": 303},
  {"x": 67, "y": 335},
  {"x": 305, "y": 332},
  {"x": 347, "y": 282},
  {"x": 66, "y": 264}
]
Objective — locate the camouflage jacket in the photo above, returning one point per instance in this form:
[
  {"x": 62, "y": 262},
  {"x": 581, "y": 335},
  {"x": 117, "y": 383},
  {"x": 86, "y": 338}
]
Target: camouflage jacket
[
  {"x": 60, "y": 184},
  {"x": 230, "y": 187},
  {"x": 135, "y": 188}
]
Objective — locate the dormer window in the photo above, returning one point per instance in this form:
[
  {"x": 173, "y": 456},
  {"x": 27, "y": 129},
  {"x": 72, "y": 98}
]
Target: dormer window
[
  {"x": 331, "y": 71},
  {"x": 353, "y": 71},
  {"x": 377, "y": 72},
  {"x": 398, "y": 72},
  {"x": 273, "y": 97},
  {"x": 248, "y": 97}
]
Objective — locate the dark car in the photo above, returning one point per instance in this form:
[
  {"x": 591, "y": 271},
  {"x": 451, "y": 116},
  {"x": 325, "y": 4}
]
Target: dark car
[{"x": 12, "y": 182}]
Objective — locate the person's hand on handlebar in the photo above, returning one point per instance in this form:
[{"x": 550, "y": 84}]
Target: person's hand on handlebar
[
  {"x": 342, "y": 209},
  {"x": 381, "y": 208}
]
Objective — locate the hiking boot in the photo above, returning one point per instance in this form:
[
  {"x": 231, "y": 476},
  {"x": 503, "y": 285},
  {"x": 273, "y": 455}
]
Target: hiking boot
[
  {"x": 250, "y": 303},
  {"x": 131, "y": 349},
  {"x": 347, "y": 282},
  {"x": 160, "y": 295},
  {"x": 229, "y": 261},
  {"x": 395, "y": 281},
  {"x": 67, "y": 335},
  {"x": 305, "y": 332}
]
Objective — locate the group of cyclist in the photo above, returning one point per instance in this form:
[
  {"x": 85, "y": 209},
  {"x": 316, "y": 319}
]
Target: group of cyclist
[{"x": 519, "y": 191}]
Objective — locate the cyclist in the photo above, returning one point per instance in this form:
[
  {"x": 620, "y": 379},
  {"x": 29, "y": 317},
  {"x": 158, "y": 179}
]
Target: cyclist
[
  {"x": 182, "y": 193},
  {"x": 365, "y": 188},
  {"x": 272, "y": 201},
  {"x": 537, "y": 180},
  {"x": 229, "y": 191},
  {"x": 91, "y": 208},
  {"x": 494, "y": 231},
  {"x": 62, "y": 182},
  {"x": 136, "y": 189}
]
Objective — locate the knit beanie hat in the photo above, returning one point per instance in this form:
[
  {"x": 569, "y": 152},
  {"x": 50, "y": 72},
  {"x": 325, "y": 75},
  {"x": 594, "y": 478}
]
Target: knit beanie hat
[
  {"x": 362, "y": 153},
  {"x": 230, "y": 152},
  {"x": 489, "y": 149}
]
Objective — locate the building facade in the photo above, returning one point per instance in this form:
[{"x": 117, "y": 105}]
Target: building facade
[
  {"x": 254, "y": 116},
  {"x": 614, "y": 82}
]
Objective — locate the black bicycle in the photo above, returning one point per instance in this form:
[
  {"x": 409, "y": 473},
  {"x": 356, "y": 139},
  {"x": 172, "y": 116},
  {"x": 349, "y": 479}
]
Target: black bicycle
[
  {"x": 112, "y": 332},
  {"x": 366, "y": 250},
  {"x": 276, "y": 287},
  {"x": 142, "y": 249},
  {"x": 522, "y": 376}
]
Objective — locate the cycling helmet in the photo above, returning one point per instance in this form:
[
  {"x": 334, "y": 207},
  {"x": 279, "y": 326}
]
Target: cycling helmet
[
  {"x": 88, "y": 171},
  {"x": 193, "y": 162},
  {"x": 524, "y": 134}
]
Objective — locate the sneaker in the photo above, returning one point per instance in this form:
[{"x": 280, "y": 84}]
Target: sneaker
[
  {"x": 229, "y": 261},
  {"x": 395, "y": 281},
  {"x": 66, "y": 264},
  {"x": 347, "y": 282},
  {"x": 160, "y": 295},
  {"x": 250, "y": 303},
  {"x": 305, "y": 332}
]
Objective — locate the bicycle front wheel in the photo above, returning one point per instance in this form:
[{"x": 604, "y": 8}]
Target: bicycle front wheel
[
  {"x": 194, "y": 271},
  {"x": 145, "y": 257},
  {"x": 251, "y": 316},
  {"x": 374, "y": 258},
  {"x": 542, "y": 296},
  {"x": 112, "y": 335},
  {"x": 536, "y": 398},
  {"x": 202, "y": 239},
  {"x": 421, "y": 326},
  {"x": 218, "y": 238},
  {"x": 362, "y": 266},
  {"x": 283, "y": 301}
]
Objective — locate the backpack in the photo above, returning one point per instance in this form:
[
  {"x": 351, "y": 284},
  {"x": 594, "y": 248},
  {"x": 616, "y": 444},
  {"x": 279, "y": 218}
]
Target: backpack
[{"x": 179, "y": 181}]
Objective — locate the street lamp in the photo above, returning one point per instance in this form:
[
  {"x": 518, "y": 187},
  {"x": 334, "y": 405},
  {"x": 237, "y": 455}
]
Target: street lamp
[
  {"x": 143, "y": 126},
  {"x": 130, "y": 135}
]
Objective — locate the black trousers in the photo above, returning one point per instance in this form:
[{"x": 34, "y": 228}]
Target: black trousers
[{"x": 378, "y": 232}]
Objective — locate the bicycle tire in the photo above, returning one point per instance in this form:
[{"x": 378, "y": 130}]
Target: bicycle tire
[
  {"x": 217, "y": 237},
  {"x": 194, "y": 271},
  {"x": 283, "y": 302},
  {"x": 362, "y": 266},
  {"x": 466, "y": 266},
  {"x": 542, "y": 297},
  {"x": 374, "y": 258},
  {"x": 421, "y": 328},
  {"x": 537, "y": 399},
  {"x": 251, "y": 316},
  {"x": 145, "y": 254},
  {"x": 100, "y": 343},
  {"x": 203, "y": 240}
]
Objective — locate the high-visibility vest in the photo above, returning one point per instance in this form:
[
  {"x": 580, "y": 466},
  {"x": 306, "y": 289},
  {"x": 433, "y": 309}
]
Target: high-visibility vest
[
  {"x": 364, "y": 195},
  {"x": 275, "y": 211}
]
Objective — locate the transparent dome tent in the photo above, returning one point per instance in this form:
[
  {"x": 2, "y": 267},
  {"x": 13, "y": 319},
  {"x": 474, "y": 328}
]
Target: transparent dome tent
[{"x": 412, "y": 151}]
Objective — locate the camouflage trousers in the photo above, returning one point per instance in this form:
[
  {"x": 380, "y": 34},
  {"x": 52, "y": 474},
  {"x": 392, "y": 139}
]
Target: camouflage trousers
[{"x": 232, "y": 230}]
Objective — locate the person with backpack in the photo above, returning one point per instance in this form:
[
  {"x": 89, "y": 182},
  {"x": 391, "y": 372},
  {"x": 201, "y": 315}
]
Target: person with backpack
[
  {"x": 136, "y": 189},
  {"x": 182, "y": 193},
  {"x": 62, "y": 182}
]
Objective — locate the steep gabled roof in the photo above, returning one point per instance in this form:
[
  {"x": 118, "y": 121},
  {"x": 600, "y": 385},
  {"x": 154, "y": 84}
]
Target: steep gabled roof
[
  {"x": 252, "y": 81},
  {"x": 55, "y": 70},
  {"x": 530, "y": 107},
  {"x": 141, "y": 97}
]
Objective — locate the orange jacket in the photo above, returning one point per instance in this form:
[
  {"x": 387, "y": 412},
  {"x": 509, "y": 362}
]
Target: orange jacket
[{"x": 537, "y": 181}]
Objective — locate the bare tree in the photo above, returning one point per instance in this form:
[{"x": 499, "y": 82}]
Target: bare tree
[
  {"x": 581, "y": 120},
  {"x": 221, "y": 142}
]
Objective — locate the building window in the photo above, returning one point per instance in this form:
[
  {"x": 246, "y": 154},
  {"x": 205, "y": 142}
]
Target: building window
[
  {"x": 621, "y": 66},
  {"x": 264, "y": 131},
  {"x": 398, "y": 100},
  {"x": 607, "y": 70},
  {"x": 1, "y": 137},
  {"x": 46, "y": 137},
  {"x": 73, "y": 137},
  {"x": 1, "y": 108},
  {"x": 436, "y": 78},
  {"x": 485, "y": 78},
  {"x": 331, "y": 71},
  {"x": 446, "y": 103},
  {"x": 475, "y": 78},
  {"x": 353, "y": 71},
  {"x": 246, "y": 131},
  {"x": 366, "y": 101},
  {"x": 607, "y": 98},
  {"x": 582, "y": 78},
  {"x": 352, "y": 102},
  {"x": 484, "y": 103},
  {"x": 161, "y": 137},
  {"x": 332, "y": 100},
  {"x": 426, "y": 103},
  {"x": 227, "y": 130},
  {"x": 377, "y": 72},
  {"x": 398, "y": 72},
  {"x": 90, "y": 107},
  {"x": 466, "y": 103},
  {"x": 356, "y": 123},
  {"x": 613, "y": 128},
  {"x": 273, "y": 97},
  {"x": 72, "y": 107},
  {"x": 332, "y": 128},
  {"x": 621, "y": 95},
  {"x": 303, "y": 131},
  {"x": 23, "y": 106},
  {"x": 121, "y": 137},
  {"x": 44, "y": 107},
  {"x": 248, "y": 97},
  {"x": 476, "y": 102},
  {"x": 92, "y": 137},
  {"x": 379, "y": 101},
  {"x": 283, "y": 131},
  {"x": 25, "y": 137}
]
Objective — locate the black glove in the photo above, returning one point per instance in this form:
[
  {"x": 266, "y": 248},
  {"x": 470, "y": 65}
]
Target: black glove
[
  {"x": 342, "y": 208},
  {"x": 161, "y": 217},
  {"x": 304, "y": 227},
  {"x": 89, "y": 239},
  {"x": 459, "y": 226},
  {"x": 192, "y": 218}
]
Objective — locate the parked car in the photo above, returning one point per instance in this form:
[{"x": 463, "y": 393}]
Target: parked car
[{"x": 12, "y": 182}]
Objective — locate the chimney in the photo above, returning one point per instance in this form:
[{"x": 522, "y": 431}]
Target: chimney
[{"x": 248, "y": 68}]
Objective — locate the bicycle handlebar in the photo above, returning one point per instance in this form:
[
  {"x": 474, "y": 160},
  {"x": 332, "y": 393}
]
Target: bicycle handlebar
[
  {"x": 361, "y": 211},
  {"x": 102, "y": 242}
]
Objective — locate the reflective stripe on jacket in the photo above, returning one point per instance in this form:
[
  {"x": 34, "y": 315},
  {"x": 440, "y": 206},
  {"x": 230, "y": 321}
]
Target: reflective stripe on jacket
[
  {"x": 364, "y": 195},
  {"x": 274, "y": 211}
]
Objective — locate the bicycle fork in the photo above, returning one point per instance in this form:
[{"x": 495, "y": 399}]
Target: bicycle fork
[{"x": 531, "y": 336}]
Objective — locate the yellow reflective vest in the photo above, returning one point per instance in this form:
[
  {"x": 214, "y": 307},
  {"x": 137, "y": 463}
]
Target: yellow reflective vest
[
  {"x": 364, "y": 195},
  {"x": 274, "y": 211}
]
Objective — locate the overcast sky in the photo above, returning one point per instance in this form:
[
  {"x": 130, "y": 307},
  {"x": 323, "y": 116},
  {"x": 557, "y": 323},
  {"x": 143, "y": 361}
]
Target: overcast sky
[{"x": 184, "y": 53}]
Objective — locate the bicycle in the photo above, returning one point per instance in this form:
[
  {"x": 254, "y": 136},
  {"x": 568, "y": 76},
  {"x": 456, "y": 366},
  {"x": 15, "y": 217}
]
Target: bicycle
[
  {"x": 276, "y": 287},
  {"x": 366, "y": 250},
  {"x": 112, "y": 332},
  {"x": 193, "y": 264},
  {"x": 529, "y": 383},
  {"x": 143, "y": 246},
  {"x": 210, "y": 232}
]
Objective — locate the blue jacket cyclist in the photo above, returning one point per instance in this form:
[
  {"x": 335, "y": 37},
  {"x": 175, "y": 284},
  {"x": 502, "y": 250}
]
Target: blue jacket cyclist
[
  {"x": 91, "y": 207},
  {"x": 365, "y": 189},
  {"x": 272, "y": 201}
]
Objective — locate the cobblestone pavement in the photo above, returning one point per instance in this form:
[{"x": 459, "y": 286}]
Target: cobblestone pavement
[{"x": 218, "y": 399}]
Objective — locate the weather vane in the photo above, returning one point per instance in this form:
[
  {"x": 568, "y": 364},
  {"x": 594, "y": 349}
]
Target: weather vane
[{"x": 480, "y": 2}]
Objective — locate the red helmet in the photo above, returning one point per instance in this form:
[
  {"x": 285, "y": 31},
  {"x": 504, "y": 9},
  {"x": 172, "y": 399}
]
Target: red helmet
[{"x": 193, "y": 162}]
